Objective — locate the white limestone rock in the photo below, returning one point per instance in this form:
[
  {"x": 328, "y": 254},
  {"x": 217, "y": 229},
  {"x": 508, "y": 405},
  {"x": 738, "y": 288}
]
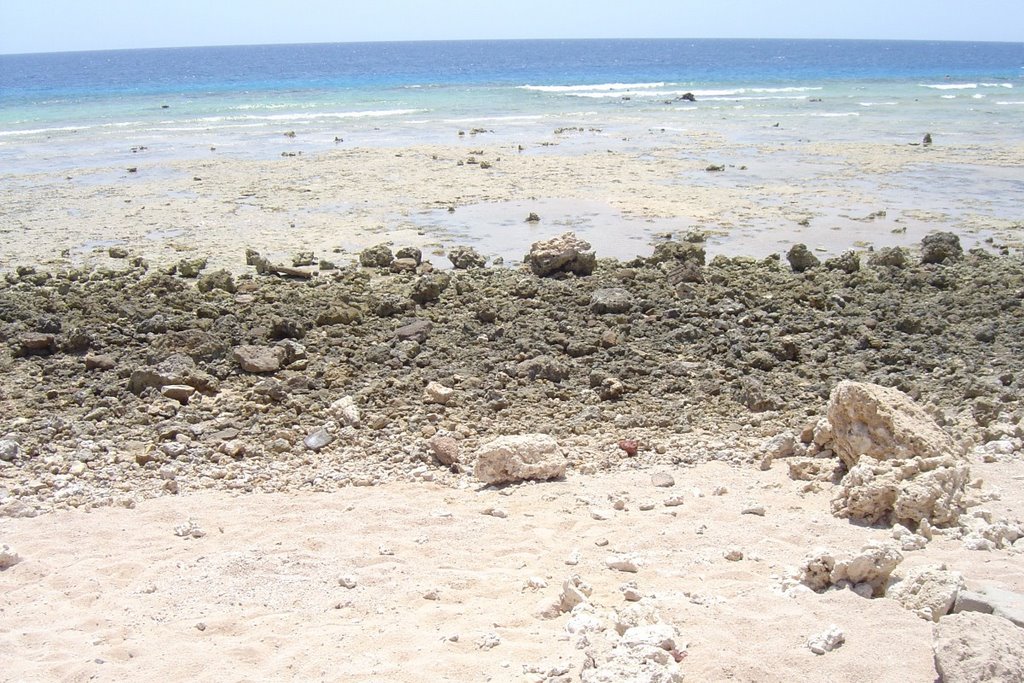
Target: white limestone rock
[
  {"x": 647, "y": 653},
  {"x": 872, "y": 565},
  {"x": 260, "y": 359},
  {"x": 574, "y": 592},
  {"x": 779, "y": 446},
  {"x": 189, "y": 529},
  {"x": 930, "y": 592},
  {"x": 8, "y": 557},
  {"x": 902, "y": 465},
  {"x": 972, "y": 647},
  {"x": 883, "y": 423},
  {"x": 510, "y": 459},
  {"x": 346, "y": 411},
  {"x": 565, "y": 253},
  {"x": 865, "y": 573},
  {"x": 907, "y": 539},
  {"x": 634, "y": 614},
  {"x": 827, "y": 640},
  {"x": 435, "y": 392},
  {"x": 583, "y": 619},
  {"x": 488, "y": 641},
  {"x": 985, "y": 533},
  {"x": 906, "y": 492},
  {"x": 624, "y": 563}
]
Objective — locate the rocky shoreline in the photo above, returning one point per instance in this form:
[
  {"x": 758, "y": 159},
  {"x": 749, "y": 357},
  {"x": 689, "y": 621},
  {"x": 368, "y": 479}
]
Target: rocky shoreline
[
  {"x": 571, "y": 469},
  {"x": 127, "y": 383}
]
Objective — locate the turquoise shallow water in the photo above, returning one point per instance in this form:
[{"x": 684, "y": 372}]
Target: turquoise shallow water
[{"x": 76, "y": 109}]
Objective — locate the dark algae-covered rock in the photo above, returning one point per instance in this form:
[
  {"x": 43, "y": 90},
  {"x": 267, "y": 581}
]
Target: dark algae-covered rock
[{"x": 614, "y": 351}]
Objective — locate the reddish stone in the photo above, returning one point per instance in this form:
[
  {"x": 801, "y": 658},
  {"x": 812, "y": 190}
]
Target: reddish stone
[{"x": 630, "y": 446}]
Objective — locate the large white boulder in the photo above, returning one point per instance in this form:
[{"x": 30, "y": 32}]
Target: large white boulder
[
  {"x": 971, "y": 647},
  {"x": 906, "y": 492},
  {"x": 883, "y": 423},
  {"x": 509, "y": 459},
  {"x": 866, "y": 573},
  {"x": 902, "y": 467}
]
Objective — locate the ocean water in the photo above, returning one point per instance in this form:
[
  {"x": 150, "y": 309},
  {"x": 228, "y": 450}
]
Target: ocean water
[{"x": 69, "y": 110}]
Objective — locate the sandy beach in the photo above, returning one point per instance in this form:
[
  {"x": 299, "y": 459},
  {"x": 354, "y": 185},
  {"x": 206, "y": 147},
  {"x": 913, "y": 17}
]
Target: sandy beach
[{"x": 114, "y": 594}]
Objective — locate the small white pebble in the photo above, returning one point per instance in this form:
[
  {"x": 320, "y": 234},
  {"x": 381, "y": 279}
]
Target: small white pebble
[
  {"x": 189, "y": 529},
  {"x": 488, "y": 641},
  {"x": 8, "y": 557},
  {"x": 753, "y": 509},
  {"x": 623, "y": 563},
  {"x": 827, "y": 640}
]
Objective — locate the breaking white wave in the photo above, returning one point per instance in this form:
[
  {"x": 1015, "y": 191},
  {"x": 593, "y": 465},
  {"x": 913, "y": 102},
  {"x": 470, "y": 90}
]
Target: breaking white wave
[
  {"x": 586, "y": 88},
  {"x": 964, "y": 86},
  {"x": 67, "y": 129},
  {"x": 491, "y": 119},
  {"x": 656, "y": 90},
  {"x": 745, "y": 98},
  {"x": 303, "y": 117}
]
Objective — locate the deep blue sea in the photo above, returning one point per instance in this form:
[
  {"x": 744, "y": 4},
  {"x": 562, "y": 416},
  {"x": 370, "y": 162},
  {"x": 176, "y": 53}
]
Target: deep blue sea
[{"x": 90, "y": 107}]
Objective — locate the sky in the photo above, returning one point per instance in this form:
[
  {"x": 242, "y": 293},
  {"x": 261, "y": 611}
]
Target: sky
[{"x": 68, "y": 25}]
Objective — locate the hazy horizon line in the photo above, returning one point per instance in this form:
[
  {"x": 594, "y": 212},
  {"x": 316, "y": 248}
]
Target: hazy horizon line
[{"x": 500, "y": 40}]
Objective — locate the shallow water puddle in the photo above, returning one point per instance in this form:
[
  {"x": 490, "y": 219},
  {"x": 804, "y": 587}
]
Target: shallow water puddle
[{"x": 500, "y": 229}]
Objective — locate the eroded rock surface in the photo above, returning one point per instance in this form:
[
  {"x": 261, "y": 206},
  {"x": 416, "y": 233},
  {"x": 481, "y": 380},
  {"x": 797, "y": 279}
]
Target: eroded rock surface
[
  {"x": 971, "y": 647},
  {"x": 516, "y": 458},
  {"x": 563, "y": 254},
  {"x": 902, "y": 467},
  {"x": 883, "y": 423}
]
